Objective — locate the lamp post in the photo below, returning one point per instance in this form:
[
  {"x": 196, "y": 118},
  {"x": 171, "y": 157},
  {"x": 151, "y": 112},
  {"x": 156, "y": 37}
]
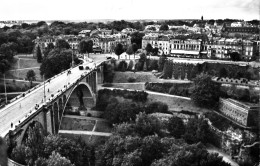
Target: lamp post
[
  {"x": 5, "y": 90},
  {"x": 71, "y": 58},
  {"x": 44, "y": 96}
]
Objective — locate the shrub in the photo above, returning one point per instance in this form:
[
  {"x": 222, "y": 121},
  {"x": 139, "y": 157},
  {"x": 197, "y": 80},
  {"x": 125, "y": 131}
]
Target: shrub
[
  {"x": 153, "y": 65},
  {"x": 131, "y": 65},
  {"x": 122, "y": 66},
  {"x": 138, "y": 66},
  {"x": 131, "y": 79}
]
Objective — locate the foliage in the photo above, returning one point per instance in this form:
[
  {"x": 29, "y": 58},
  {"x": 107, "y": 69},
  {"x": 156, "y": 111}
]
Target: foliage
[
  {"x": 121, "y": 112},
  {"x": 235, "y": 56},
  {"x": 4, "y": 65},
  {"x": 131, "y": 79},
  {"x": 119, "y": 49},
  {"x": 164, "y": 27},
  {"x": 190, "y": 155},
  {"x": 197, "y": 130},
  {"x": 149, "y": 48},
  {"x": 57, "y": 61},
  {"x": 56, "y": 159},
  {"x": 105, "y": 95},
  {"x": 153, "y": 65},
  {"x": 161, "y": 62},
  {"x": 62, "y": 44},
  {"x": 30, "y": 75},
  {"x": 122, "y": 66},
  {"x": 127, "y": 148},
  {"x": 108, "y": 73},
  {"x": 205, "y": 92},
  {"x": 155, "y": 51},
  {"x": 223, "y": 72},
  {"x": 168, "y": 70},
  {"x": 136, "y": 38},
  {"x": 176, "y": 127},
  {"x": 130, "y": 65},
  {"x": 51, "y": 149}
]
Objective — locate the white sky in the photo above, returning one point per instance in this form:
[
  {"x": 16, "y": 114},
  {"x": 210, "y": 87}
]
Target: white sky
[{"x": 128, "y": 9}]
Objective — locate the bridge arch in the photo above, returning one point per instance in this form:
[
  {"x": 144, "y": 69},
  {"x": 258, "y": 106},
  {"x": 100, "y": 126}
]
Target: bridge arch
[
  {"x": 80, "y": 96},
  {"x": 34, "y": 124}
]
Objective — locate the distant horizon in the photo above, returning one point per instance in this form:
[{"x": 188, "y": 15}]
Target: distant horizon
[
  {"x": 106, "y": 20},
  {"x": 129, "y": 10}
]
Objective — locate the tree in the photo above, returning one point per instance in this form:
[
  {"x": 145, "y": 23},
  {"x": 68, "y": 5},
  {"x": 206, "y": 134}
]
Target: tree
[
  {"x": 205, "y": 92},
  {"x": 8, "y": 50},
  {"x": 48, "y": 49},
  {"x": 4, "y": 65},
  {"x": 30, "y": 75},
  {"x": 223, "y": 72},
  {"x": 164, "y": 27},
  {"x": 62, "y": 44},
  {"x": 119, "y": 49},
  {"x": 130, "y": 50},
  {"x": 57, "y": 61},
  {"x": 161, "y": 62},
  {"x": 149, "y": 48},
  {"x": 39, "y": 54},
  {"x": 82, "y": 47},
  {"x": 57, "y": 160},
  {"x": 155, "y": 51},
  {"x": 235, "y": 56},
  {"x": 191, "y": 155},
  {"x": 176, "y": 127},
  {"x": 89, "y": 47},
  {"x": 137, "y": 37}
]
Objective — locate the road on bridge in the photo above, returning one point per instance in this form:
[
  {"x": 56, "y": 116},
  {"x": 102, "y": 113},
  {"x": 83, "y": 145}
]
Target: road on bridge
[{"x": 17, "y": 110}]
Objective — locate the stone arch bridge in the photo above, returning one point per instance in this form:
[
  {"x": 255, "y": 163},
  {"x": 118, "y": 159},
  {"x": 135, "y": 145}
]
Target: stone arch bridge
[{"x": 63, "y": 92}]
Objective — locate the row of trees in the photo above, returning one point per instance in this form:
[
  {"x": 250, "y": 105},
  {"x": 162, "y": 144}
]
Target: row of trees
[{"x": 41, "y": 149}]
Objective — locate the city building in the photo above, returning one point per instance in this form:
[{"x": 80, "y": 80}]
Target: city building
[
  {"x": 222, "y": 47},
  {"x": 243, "y": 113},
  {"x": 84, "y": 33},
  {"x": 184, "y": 47}
]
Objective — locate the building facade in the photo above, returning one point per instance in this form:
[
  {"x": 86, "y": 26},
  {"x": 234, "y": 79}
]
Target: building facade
[{"x": 245, "y": 114}]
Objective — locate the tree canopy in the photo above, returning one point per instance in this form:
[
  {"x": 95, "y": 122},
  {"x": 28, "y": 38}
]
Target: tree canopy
[
  {"x": 164, "y": 27},
  {"x": 30, "y": 76},
  {"x": 56, "y": 61},
  {"x": 149, "y": 48},
  {"x": 39, "y": 54},
  {"x": 62, "y": 44},
  {"x": 119, "y": 49},
  {"x": 205, "y": 92}
]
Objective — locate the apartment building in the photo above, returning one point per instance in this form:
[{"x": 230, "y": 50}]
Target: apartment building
[
  {"x": 185, "y": 47},
  {"x": 244, "y": 113}
]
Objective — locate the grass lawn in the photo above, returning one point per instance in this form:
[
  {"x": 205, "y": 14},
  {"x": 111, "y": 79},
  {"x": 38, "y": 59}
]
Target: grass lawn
[{"x": 24, "y": 63}]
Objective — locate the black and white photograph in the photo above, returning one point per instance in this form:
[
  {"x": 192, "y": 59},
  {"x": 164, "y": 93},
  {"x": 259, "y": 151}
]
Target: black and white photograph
[{"x": 130, "y": 83}]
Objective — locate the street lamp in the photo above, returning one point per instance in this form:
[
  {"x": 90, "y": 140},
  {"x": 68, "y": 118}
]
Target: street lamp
[{"x": 5, "y": 90}]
